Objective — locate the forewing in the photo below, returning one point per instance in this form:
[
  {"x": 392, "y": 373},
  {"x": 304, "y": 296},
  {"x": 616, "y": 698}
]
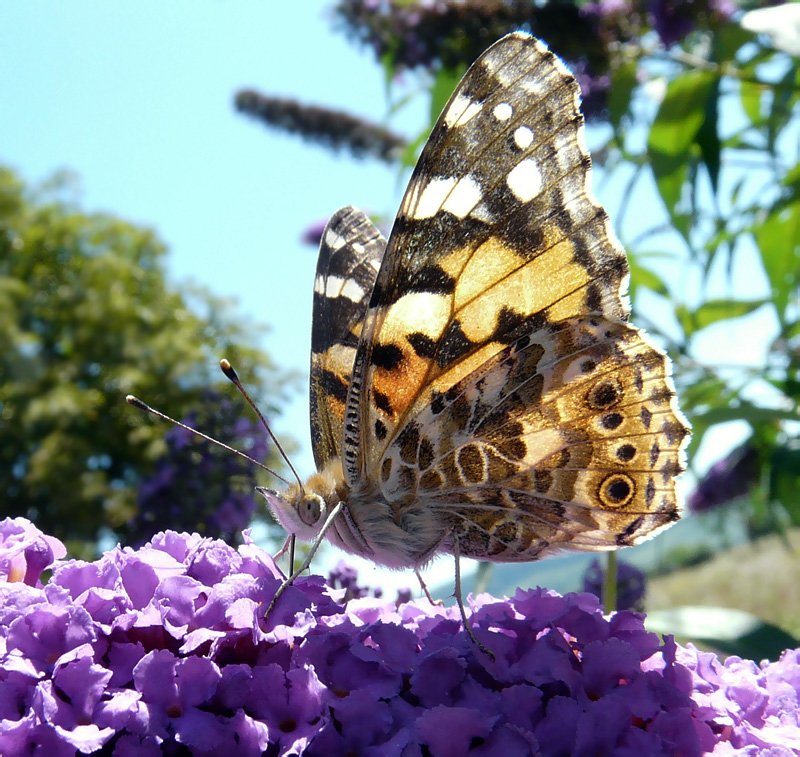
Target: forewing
[
  {"x": 349, "y": 258},
  {"x": 570, "y": 438},
  {"x": 498, "y": 231}
]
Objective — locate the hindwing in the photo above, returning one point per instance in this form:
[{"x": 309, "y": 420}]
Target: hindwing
[
  {"x": 350, "y": 253},
  {"x": 569, "y": 438}
]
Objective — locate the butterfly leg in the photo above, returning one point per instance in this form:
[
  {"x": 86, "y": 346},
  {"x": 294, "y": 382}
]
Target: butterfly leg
[
  {"x": 287, "y": 545},
  {"x": 460, "y": 600},
  {"x": 437, "y": 602},
  {"x": 311, "y": 552}
]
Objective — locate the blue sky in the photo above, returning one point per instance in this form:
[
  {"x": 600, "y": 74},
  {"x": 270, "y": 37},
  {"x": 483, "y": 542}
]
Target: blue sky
[{"x": 137, "y": 99}]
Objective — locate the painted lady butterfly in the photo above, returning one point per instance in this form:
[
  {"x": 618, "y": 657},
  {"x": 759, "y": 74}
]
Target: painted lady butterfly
[{"x": 475, "y": 386}]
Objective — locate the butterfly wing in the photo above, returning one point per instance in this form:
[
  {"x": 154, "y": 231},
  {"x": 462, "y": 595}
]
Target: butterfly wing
[
  {"x": 349, "y": 258},
  {"x": 570, "y": 438},
  {"x": 497, "y": 386},
  {"x": 498, "y": 228}
]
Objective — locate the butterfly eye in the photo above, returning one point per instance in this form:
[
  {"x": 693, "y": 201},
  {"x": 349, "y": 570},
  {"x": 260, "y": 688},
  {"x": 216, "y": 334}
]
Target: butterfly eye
[{"x": 309, "y": 508}]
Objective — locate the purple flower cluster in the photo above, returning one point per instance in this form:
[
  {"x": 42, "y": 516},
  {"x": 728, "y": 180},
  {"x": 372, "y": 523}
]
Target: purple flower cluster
[
  {"x": 334, "y": 129},
  {"x": 345, "y": 576},
  {"x": 735, "y": 475},
  {"x": 673, "y": 20},
  {"x": 166, "y": 649},
  {"x": 434, "y": 34}
]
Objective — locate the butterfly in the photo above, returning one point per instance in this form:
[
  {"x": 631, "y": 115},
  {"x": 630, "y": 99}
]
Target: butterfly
[{"x": 475, "y": 386}]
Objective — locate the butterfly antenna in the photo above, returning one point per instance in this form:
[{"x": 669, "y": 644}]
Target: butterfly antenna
[
  {"x": 137, "y": 403},
  {"x": 233, "y": 377}
]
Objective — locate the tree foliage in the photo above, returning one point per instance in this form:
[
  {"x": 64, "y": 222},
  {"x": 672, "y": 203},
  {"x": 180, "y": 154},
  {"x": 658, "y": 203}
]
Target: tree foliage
[{"x": 88, "y": 317}]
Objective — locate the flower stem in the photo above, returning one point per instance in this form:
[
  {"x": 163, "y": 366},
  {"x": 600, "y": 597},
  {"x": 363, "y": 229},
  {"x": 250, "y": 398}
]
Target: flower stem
[{"x": 610, "y": 585}]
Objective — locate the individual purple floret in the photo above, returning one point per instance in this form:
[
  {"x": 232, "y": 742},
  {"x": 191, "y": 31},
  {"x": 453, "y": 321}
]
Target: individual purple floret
[
  {"x": 166, "y": 649},
  {"x": 25, "y": 552}
]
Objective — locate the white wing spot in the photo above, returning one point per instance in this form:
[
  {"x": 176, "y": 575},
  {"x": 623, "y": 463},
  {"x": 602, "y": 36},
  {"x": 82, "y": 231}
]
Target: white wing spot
[
  {"x": 461, "y": 111},
  {"x": 334, "y": 240},
  {"x": 336, "y": 286},
  {"x": 432, "y": 196},
  {"x": 534, "y": 84},
  {"x": 503, "y": 111},
  {"x": 418, "y": 311},
  {"x": 494, "y": 63},
  {"x": 352, "y": 291},
  {"x": 458, "y": 197},
  {"x": 525, "y": 180},
  {"x": 358, "y": 247},
  {"x": 482, "y": 213},
  {"x": 333, "y": 285},
  {"x": 466, "y": 194},
  {"x": 523, "y": 137}
]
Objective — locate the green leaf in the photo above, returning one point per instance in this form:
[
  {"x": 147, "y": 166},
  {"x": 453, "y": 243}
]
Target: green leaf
[
  {"x": 408, "y": 158},
  {"x": 674, "y": 131},
  {"x": 784, "y": 484},
  {"x": 750, "y": 142},
  {"x": 778, "y": 240},
  {"x": 745, "y": 411},
  {"x": 729, "y": 39},
  {"x": 714, "y": 311},
  {"x": 641, "y": 276},
  {"x": 623, "y": 82},
  {"x": 389, "y": 72},
  {"x": 444, "y": 83},
  {"x": 783, "y": 98},
  {"x": 708, "y": 136},
  {"x": 708, "y": 389},
  {"x": 792, "y": 179},
  {"x": 751, "y": 95},
  {"x": 671, "y": 175},
  {"x": 726, "y": 630}
]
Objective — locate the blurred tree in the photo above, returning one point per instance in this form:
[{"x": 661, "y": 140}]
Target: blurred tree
[
  {"x": 87, "y": 317},
  {"x": 197, "y": 485}
]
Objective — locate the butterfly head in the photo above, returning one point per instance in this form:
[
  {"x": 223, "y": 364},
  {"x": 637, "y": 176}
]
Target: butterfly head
[{"x": 299, "y": 511}]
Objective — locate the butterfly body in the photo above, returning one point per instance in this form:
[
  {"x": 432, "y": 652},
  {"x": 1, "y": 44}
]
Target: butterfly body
[
  {"x": 404, "y": 537},
  {"x": 475, "y": 386}
]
